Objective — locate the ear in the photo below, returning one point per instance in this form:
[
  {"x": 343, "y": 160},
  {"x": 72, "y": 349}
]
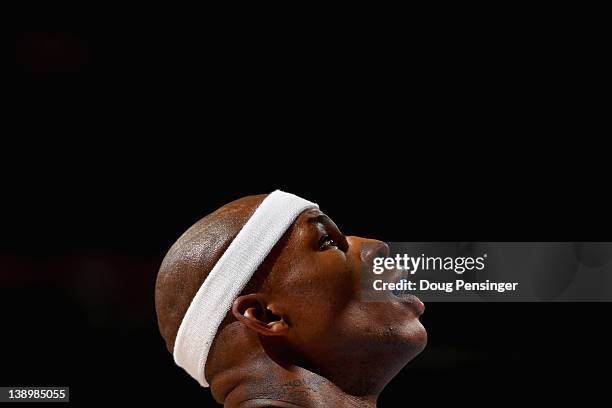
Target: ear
[{"x": 253, "y": 311}]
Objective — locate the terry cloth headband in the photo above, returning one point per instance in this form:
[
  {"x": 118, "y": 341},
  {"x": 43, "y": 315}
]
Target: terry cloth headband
[{"x": 230, "y": 275}]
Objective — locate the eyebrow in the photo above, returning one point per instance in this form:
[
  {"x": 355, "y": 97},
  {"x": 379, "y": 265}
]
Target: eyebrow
[{"x": 320, "y": 219}]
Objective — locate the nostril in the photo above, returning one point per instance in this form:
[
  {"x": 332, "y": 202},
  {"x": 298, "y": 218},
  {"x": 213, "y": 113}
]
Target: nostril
[
  {"x": 383, "y": 252},
  {"x": 370, "y": 251}
]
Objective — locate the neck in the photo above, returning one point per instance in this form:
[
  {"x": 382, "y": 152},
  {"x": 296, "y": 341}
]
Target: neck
[
  {"x": 253, "y": 379},
  {"x": 295, "y": 387}
]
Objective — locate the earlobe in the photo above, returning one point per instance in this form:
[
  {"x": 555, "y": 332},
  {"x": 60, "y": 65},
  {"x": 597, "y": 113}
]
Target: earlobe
[{"x": 253, "y": 311}]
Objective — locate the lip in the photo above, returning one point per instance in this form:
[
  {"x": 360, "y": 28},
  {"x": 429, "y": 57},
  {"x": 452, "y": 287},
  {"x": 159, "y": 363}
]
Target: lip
[
  {"x": 406, "y": 297},
  {"x": 411, "y": 300}
]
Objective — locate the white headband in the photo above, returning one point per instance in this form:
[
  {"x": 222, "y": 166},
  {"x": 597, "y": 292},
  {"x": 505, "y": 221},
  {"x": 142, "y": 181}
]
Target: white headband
[{"x": 229, "y": 277}]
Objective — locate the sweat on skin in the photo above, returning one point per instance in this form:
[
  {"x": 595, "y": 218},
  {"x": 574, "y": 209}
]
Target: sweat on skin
[{"x": 298, "y": 334}]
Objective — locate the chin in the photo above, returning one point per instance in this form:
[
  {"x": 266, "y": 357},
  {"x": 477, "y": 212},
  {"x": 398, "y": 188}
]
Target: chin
[
  {"x": 406, "y": 337},
  {"x": 398, "y": 350},
  {"x": 409, "y": 340},
  {"x": 416, "y": 335},
  {"x": 406, "y": 325}
]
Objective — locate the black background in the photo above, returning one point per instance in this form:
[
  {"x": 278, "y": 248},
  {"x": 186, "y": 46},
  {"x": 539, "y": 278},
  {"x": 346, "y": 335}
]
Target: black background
[{"x": 121, "y": 140}]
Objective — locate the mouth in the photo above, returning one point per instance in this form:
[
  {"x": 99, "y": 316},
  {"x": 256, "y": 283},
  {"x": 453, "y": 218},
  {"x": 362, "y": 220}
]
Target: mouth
[
  {"x": 405, "y": 296},
  {"x": 409, "y": 299}
]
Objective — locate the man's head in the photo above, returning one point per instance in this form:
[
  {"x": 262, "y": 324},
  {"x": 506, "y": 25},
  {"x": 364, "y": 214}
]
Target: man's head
[{"x": 301, "y": 307}]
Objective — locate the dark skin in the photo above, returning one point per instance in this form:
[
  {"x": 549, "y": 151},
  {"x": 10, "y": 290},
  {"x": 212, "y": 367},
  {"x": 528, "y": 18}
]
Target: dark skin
[{"x": 298, "y": 335}]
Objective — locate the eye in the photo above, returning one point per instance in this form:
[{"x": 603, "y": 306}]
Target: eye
[{"x": 327, "y": 242}]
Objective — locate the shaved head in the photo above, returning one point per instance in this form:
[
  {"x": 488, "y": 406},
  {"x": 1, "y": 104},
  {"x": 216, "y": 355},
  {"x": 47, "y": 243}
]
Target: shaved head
[{"x": 192, "y": 257}]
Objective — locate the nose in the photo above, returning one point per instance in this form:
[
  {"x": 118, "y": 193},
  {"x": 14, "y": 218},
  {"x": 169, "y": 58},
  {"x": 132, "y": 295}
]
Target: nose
[{"x": 369, "y": 248}]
